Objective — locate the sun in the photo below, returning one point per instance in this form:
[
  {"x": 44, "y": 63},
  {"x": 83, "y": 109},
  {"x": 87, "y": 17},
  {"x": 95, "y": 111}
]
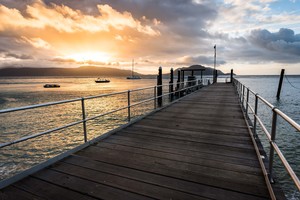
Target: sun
[{"x": 90, "y": 56}]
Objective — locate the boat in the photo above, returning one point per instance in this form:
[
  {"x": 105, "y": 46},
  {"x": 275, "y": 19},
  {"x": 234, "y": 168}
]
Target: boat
[
  {"x": 51, "y": 86},
  {"x": 133, "y": 77},
  {"x": 102, "y": 80}
]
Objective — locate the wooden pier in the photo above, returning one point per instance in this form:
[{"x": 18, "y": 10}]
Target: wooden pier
[{"x": 197, "y": 148}]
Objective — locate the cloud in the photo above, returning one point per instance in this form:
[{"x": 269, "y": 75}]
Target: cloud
[
  {"x": 284, "y": 41},
  {"x": 20, "y": 57},
  {"x": 65, "y": 19},
  {"x": 153, "y": 32},
  {"x": 262, "y": 46},
  {"x": 63, "y": 60},
  {"x": 36, "y": 42},
  {"x": 205, "y": 60}
]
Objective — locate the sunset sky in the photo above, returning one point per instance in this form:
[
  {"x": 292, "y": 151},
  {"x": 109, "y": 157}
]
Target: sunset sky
[{"x": 252, "y": 37}]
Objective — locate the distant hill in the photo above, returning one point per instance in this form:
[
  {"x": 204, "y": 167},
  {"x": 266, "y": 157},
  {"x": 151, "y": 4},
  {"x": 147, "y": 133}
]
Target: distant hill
[
  {"x": 80, "y": 71},
  {"x": 92, "y": 71},
  {"x": 207, "y": 71}
]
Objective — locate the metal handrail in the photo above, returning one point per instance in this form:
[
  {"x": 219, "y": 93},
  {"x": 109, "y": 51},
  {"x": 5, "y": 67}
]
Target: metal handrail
[
  {"x": 37, "y": 106},
  {"x": 287, "y": 119},
  {"x": 84, "y": 119},
  {"x": 271, "y": 136},
  {"x": 39, "y": 134}
]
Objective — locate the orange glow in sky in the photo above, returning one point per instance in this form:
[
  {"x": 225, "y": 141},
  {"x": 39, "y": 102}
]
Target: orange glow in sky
[
  {"x": 252, "y": 37},
  {"x": 90, "y": 56}
]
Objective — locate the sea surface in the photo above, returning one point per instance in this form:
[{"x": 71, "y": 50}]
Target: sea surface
[
  {"x": 25, "y": 91},
  {"x": 287, "y": 138}
]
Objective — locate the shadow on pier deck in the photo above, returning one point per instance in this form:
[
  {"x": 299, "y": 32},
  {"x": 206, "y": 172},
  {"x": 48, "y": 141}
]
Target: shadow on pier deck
[{"x": 197, "y": 148}]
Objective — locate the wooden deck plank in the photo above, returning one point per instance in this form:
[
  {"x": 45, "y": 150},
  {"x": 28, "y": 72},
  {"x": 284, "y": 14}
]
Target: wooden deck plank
[
  {"x": 153, "y": 166},
  {"x": 204, "y": 148},
  {"x": 194, "y": 127},
  {"x": 183, "y": 158},
  {"x": 236, "y": 150},
  {"x": 204, "y": 155},
  {"x": 97, "y": 189},
  {"x": 209, "y": 141},
  {"x": 197, "y": 117},
  {"x": 198, "y": 148},
  {"x": 123, "y": 183},
  {"x": 11, "y": 193},
  {"x": 157, "y": 179},
  {"x": 48, "y": 190},
  {"x": 184, "y": 133},
  {"x": 204, "y": 120},
  {"x": 216, "y": 173}
]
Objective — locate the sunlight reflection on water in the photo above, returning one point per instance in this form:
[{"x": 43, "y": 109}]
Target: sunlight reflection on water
[{"x": 16, "y": 92}]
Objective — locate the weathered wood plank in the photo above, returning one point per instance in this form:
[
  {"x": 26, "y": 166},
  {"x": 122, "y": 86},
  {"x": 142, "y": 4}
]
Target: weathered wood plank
[
  {"x": 198, "y": 145},
  {"x": 198, "y": 117},
  {"x": 204, "y": 148},
  {"x": 183, "y": 158},
  {"x": 204, "y": 120},
  {"x": 194, "y": 127},
  {"x": 13, "y": 193},
  {"x": 204, "y": 155},
  {"x": 243, "y": 145},
  {"x": 185, "y": 133},
  {"x": 84, "y": 186},
  {"x": 159, "y": 180},
  {"x": 123, "y": 183},
  {"x": 171, "y": 169},
  {"x": 49, "y": 191},
  {"x": 206, "y": 112},
  {"x": 185, "y": 165}
]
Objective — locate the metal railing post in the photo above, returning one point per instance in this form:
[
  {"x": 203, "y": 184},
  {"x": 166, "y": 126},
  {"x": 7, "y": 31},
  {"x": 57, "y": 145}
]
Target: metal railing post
[
  {"x": 239, "y": 90},
  {"x": 243, "y": 97},
  {"x": 83, "y": 118},
  {"x": 247, "y": 101},
  {"x": 155, "y": 96},
  {"x": 255, "y": 112},
  {"x": 273, "y": 136},
  {"x": 128, "y": 104}
]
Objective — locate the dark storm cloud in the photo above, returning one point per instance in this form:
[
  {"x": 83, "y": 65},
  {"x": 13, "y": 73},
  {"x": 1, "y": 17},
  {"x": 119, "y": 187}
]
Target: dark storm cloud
[
  {"x": 284, "y": 41},
  {"x": 182, "y": 17},
  {"x": 19, "y": 4},
  {"x": 205, "y": 60},
  {"x": 263, "y": 46}
]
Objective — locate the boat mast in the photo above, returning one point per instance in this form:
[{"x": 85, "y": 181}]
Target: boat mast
[{"x": 132, "y": 67}]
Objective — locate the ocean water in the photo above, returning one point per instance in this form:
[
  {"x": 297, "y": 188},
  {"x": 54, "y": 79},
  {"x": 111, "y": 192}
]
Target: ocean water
[
  {"x": 24, "y": 91},
  {"x": 287, "y": 138}
]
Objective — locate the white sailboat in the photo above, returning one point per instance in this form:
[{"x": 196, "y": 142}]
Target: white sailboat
[{"x": 132, "y": 73}]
